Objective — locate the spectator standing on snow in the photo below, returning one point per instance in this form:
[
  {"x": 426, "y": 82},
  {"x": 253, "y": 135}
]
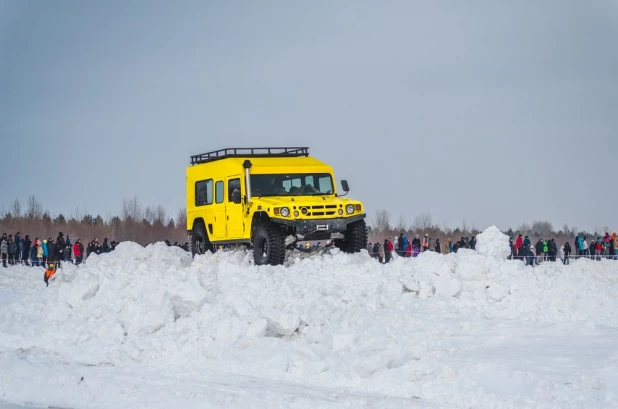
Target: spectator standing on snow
[
  {"x": 404, "y": 249},
  {"x": 530, "y": 256},
  {"x": 438, "y": 248},
  {"x": 32, "y": 253},
  {"x": 567, "y": 253},
  {"x": 39, "y": 252},
  {"x": 20, "y": 248},
  {"x": 376, "y": 250},
  {"x": 473, "y": 243},
  {"x": 426, "y": 242},
  {"x": 67, "y": 249},
  {"x": 59, "y": 248},
  {"x": 77, "y": 253},
  {"x": 592, "y": 249},
  {"x": 599, "y": 246},
  {"x": 4, "y": 250},
  {"x": 585, "y": 248},
  {"x": 388, "y": 250},
  {"x": 519, "y": 244},
  {"x": 400, "y": 245},
  {"x": 105, "y": 246},
  {"x": 380, "y": 254},
  {"x": 12, "y": 250},
  {"x": 416, "y": 245},
  {"x": 539, "y": 249},
  {"x": 45, "y": 251},
  {"x": 553, "y": 250},
  {"x": 27, "y": 247}
]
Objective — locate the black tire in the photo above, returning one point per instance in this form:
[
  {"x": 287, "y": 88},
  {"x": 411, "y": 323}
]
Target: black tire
[
  {"x": 268, "y": 244},
  {"x": 355, "y": 238},
  {"x": 200, "y": 243}
]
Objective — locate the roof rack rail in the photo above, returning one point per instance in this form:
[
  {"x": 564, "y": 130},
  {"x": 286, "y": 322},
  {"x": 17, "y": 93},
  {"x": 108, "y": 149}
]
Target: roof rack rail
[{"x": 249, "y": 153}]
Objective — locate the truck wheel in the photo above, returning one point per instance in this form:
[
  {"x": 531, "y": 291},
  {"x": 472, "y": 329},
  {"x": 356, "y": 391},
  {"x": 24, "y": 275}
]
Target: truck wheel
[
  {"x": 200, "y": 243},
  {"x": 355, "y": 238},
  {"x": 268, "y": 245}
]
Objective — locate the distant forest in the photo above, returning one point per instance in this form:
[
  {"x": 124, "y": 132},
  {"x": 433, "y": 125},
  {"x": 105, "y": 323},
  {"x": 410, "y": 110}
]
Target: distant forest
[
  {"x": 138, "y": 223},
  {"x": 149, "y": 224}
]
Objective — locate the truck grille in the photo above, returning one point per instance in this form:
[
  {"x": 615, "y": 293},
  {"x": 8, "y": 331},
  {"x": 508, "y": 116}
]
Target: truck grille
[{"x": 322, "y": 210}]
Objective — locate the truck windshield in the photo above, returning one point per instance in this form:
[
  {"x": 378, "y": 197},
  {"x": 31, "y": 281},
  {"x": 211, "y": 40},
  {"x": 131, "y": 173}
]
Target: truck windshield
[{"x": 305, "y": 184}]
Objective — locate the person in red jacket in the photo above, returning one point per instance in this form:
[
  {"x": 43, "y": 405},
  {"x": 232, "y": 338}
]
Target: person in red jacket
[
  {"x": 519, "y": 243},
  {"x": 77, "y": 251}
]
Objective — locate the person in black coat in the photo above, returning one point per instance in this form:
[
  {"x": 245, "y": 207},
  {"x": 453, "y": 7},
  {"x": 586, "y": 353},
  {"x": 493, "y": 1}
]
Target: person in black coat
[
  {"x": 59, "y": 248},
  {"x": 438, "y": 249},
  {"x": 401, "y": 251},
  {"x": 552, "y": 250},
  {"x": 567, "y": 253},
  {"x": 105, "y": 246},
  {"x": 27, "y": 246}
]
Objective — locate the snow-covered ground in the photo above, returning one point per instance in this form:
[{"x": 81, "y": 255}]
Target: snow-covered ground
[{"x": 150, "y": 328}]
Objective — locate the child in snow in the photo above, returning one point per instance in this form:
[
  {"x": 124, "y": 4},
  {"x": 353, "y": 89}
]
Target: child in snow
[{"x": 49, "y": 273}]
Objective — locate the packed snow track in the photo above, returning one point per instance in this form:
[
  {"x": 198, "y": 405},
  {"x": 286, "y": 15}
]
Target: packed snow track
[{"x": 152, "y": 328}]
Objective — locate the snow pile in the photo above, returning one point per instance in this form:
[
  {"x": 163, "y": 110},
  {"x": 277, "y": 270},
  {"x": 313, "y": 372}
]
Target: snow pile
[
  {"x": 410, "y": 328},
  {"x": 492, "y": 242}
]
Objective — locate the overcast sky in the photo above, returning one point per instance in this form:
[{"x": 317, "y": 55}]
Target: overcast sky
[{"x": 492, "y": 112}]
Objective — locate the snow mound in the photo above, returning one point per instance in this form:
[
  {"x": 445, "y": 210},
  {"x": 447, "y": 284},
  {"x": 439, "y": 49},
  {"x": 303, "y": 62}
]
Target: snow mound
[
  {"x": 326, "y": 319},
  {"x": 492, "y": 242}
]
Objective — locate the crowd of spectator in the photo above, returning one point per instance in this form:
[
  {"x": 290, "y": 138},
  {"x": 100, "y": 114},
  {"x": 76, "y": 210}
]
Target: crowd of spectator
[
  {"x": 404, "y": 247},
  {"x": 23, "y": 250},
  {"x": 521, "y": 249},
  {"x": 547, "y": 250}
]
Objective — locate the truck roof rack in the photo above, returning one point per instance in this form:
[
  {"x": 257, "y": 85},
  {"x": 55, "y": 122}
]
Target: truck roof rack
[{"x": 249, "y": 153}]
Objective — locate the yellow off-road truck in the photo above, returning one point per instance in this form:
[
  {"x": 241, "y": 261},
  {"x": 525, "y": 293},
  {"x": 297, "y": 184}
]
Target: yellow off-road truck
[{"x": 269, "y": 199}]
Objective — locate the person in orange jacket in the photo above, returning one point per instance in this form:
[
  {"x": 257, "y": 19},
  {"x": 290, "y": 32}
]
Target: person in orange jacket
[{"x": 49, "y": 273}]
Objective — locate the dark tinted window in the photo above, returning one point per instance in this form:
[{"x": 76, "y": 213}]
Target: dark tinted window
[
  {"x": 232, "y": 184},
  {"x": 203, "y": 192}
]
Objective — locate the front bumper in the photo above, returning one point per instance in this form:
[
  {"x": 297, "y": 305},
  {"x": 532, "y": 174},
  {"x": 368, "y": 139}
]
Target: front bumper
[{"x": 320, "y": 229}]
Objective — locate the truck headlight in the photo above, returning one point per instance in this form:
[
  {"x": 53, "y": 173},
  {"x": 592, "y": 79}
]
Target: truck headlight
[
  {"x": 349, "y": 209},
  {"x": 285, "y": 212}
]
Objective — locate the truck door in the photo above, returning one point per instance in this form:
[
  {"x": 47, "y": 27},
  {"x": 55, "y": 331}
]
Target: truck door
[
  {"x": 219, "y": 225},
  {"x": 233, "y": 215}
]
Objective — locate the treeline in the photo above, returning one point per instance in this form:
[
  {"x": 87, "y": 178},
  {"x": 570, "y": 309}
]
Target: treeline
[
  {"x": 383, "y": 227},
  {"x": 139, "y": 223}
]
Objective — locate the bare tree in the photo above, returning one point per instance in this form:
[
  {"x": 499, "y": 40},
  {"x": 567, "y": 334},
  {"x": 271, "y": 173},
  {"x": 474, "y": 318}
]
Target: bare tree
[
  {"x": 149, "y": 215},
  {"x": 383, "y": 221},
  {"x": 35, "y": 208},
  {"x": 160, "y": 215},
  {"x": 402, "y": 225},
  {"x": 181, "y": 218},
  {"x": 422, "y": 222},
  {"x": 464, "y": 226},
  {"x": 542, "y": 229},
  {"x": 16, "y": 208},
  {"x": 132, "y": 210},
  {"x": 524, "y": 228}
]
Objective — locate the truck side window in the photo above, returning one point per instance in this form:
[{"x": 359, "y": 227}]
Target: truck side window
[
  {"x": 203, "y": 192},
  {"x": 219, "y": 191},
  {"x": 232, "y": 184}
]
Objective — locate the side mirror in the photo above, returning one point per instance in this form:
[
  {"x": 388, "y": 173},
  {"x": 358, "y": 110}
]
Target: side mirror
[
  {"x": 236, "y": 196},
  {"x": 345, "y": 186}
]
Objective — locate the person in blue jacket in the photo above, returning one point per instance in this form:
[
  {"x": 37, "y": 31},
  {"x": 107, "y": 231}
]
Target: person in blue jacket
[{"x": 45, "y": 252}]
